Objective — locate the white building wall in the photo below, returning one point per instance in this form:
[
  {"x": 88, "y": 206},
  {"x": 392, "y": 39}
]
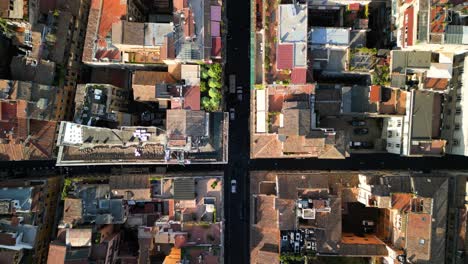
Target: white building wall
[
  {"x": 394, "y": 126},
  {"x": 406, "y": 136},
  {"x": 461, "y": 135}
]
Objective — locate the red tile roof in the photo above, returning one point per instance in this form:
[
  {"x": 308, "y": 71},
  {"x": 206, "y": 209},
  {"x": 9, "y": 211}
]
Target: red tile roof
[
  {"x": 189, "y": 26},
  {"x": 192, "y": 98},
  {"x": 57, "y": 253},
  {"x": 180, "y": 4},
  {"x": 299, "y": 75},
  {"x": 408, "y": 23},
  {"x": 8, "y": 111},
  {"x": 436, "y": 83},
  {"x": 375, "y": 94},
  {"x": 112, "y": 11},
  {"x": 111, "y": 54},
  {"x": 354, "y": 7},
  {"x": 284, "y": 56},
  {"x": 216, "y": 47},
  {"x": 402, "y": 201}
]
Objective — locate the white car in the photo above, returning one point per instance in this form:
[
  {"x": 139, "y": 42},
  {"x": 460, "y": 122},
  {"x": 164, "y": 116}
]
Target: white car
[
  {"x": 233, "y": 186},
  {"x": 239, "y": 93},
  {"x": 232, "y": 114}
]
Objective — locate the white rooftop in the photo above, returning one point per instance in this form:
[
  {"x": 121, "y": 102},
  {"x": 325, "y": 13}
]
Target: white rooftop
[
  {"x": 73, "y": 134},
  {"x": 293, "y": 23}
]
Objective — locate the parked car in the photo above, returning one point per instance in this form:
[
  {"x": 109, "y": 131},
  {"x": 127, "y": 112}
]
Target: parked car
[
  {"x": 233, "y": 186},
  {"x": 239, "y": 93},
  {"x": 361, "y": 131},
  {"x": 360, "y": 144},
  {"x": 232, "y": 114},
  {"x": 358, "y": 122},
  {"x": 368, "y": 226}
]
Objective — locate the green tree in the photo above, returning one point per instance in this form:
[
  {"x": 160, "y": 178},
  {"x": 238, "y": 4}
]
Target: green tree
[
  {"x": 214, "y": 103},
  {"x": 215, "y": 71},
  {"x": 203, "y": 86},
  {"x": 291, "y": 258},
  {"x": 381, "y": 75},
  {"x": 204, "y": 73},
  {"x": 214, "y": 93},
  {"x": 212, "y": 83},
  {"x": 6, "y": 29}
]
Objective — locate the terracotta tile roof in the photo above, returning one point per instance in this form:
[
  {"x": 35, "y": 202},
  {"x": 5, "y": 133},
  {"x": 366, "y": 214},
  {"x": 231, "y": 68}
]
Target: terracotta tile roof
[
  {"x": 418, "y": 237},
  {"x": 284, "y": 55},
  {"x": 152, "y": 78},
  {"x": 189, "y": 25},
  {"x": 180, "y": 4},
  {"x": 72, "y": 210},
  {"x": 42, "y": 138},
  {"x": 12, "y": 151},
  {"x": 192, "y": 98},
  {"x": 8, "y": 111},
  {"x": 408, "y": 23},
  {"x": 168, "y": 49},
  {"x": 111, "y": 54},
  {"x": 402, "y": 201},
  {"x": 354, "y": 7},
  {"x": 436, "y": 83},
  {"x": 79, "y": 237},
  {"x": 18, "y": 128},
  {"x": 299, "y": 75},
  {"x": 216, "y": 46},
  {"x": 375, "y": 94},
  {"x": 57, "y": 253},
  {"x": 301, "y": 144},
  {"x": 266, "y": 146},
  {"x": 138, "y": 186},
  {"x": 388, "y": 107},
  {"x": 265, "y": 231},
  {"x": 112, "y": 11}
]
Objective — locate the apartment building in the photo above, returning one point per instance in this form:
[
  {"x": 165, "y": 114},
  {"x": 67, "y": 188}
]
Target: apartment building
[
  {"x": 391, "y": 216},
  {"x": 28, "y": 217}
]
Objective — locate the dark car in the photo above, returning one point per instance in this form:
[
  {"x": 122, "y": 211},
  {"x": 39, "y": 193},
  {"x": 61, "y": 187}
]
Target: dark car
[
  {"x": 361, "y": 131},
  {"x": 358, "y": 123},
  {"x": 360, "y": 145}
]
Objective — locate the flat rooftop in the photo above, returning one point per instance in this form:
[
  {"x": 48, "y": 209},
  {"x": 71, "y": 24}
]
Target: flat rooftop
[
  {"x": 80, "y": 145},
  {"x": 293, "y": 23},
  {"x": 329, "y": 35}
]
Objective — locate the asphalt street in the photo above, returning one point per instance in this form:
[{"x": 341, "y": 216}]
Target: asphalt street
[{"x": 237, "y": 205}]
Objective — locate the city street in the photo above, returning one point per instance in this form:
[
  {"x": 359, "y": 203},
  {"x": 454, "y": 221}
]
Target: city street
[
  {"x": 236, "y": 207},
  {"x": 236, "y": 214}
]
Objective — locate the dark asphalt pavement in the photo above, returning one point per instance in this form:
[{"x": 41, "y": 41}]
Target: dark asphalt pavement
[{"x": 237, "y": 205}]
